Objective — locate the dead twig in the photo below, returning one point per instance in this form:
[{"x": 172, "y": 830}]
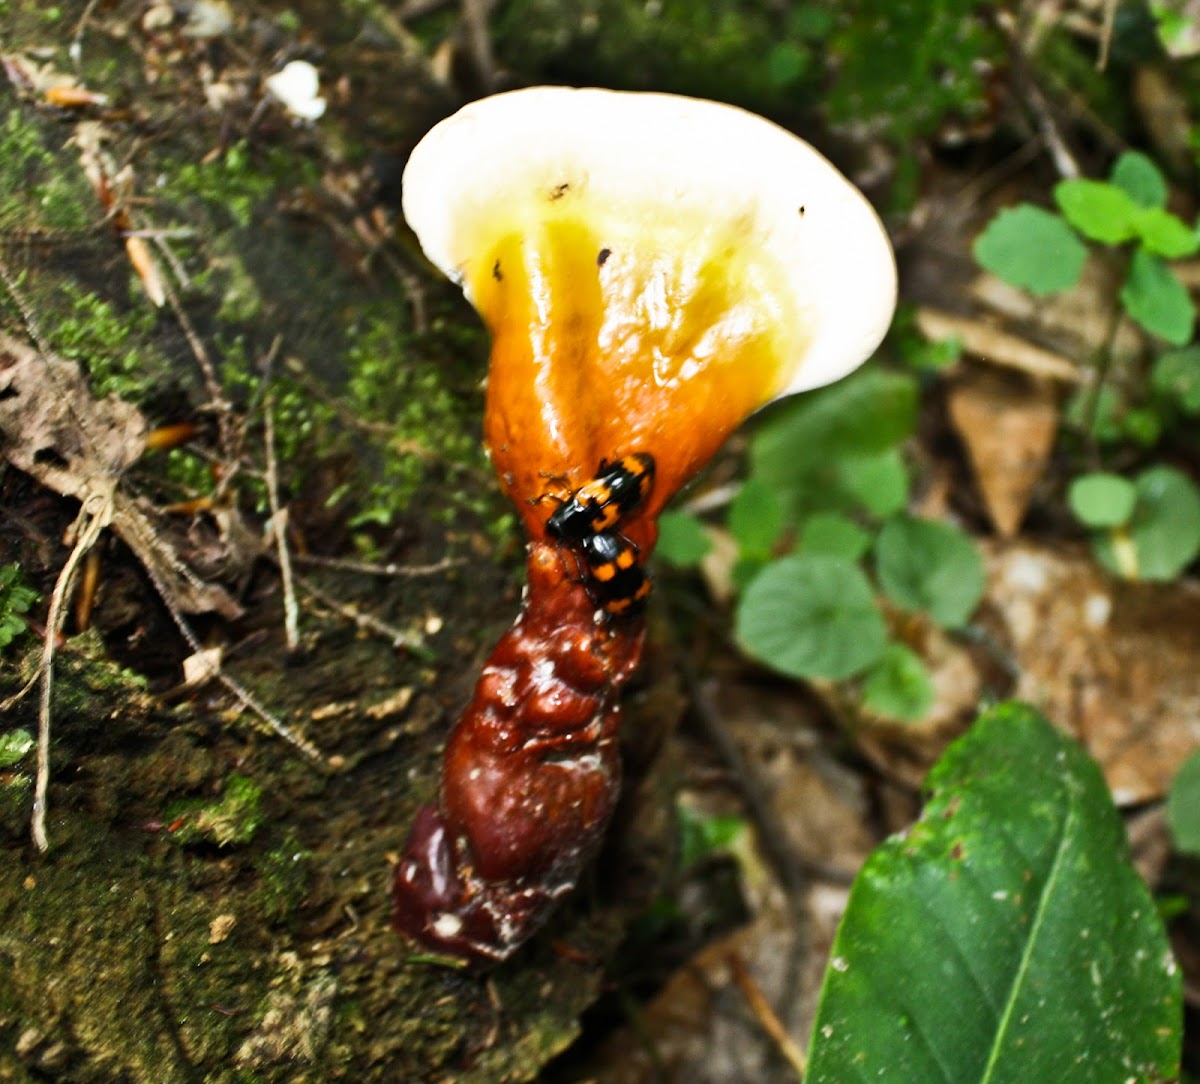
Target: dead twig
[
  {"x": 397, "y": 637},
  {"x": 94, "y": 516},
  {"x": 369, "y": 568},
  {"x": 279, "y": 524},
  {"x": 767, "y": 1019}
]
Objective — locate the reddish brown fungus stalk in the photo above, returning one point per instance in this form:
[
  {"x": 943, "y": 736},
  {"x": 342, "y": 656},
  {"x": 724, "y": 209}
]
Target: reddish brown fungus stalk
[
  {"x": 530, "y": 776},
  {"x": 652, "y": 270}
]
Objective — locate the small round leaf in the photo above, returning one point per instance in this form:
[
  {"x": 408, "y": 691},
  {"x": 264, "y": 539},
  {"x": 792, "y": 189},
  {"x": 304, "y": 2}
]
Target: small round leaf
[
  {"x": 1102, "y": 500},
  {"x": 1100, "y": 211},
  {"x": 930, "y": 566},
  {"x": 1176, "y": 375},
  {"x": 1030, "y": 247},
  {"x": 811, "y": 616},
  {"x": 1137, "y": 174},
  {"x": 831, "y": 533},
  {"x": 1164, "y": 532}
]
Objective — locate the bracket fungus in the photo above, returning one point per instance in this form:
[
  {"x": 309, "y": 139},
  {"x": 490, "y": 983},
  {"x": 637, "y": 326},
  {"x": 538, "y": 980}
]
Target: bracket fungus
[{"x": 652, "y": 270}]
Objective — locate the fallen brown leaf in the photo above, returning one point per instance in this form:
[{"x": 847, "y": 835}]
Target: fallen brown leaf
[{"x": 1008, "y": 428}]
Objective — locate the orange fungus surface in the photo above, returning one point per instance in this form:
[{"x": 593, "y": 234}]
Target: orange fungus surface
[
  {"x": 622, "y": 335},
  {"x": 652, "y": 269}
]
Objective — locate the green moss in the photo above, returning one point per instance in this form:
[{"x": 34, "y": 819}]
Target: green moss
[
  {"x": 111, "y": 344},
  {"x": 37, "y": 194},
  {"x": 932, "y": 68},
  {"x": 284, "y": 877},
  {"x": 232, "y": 819},
  {"x": 759, "y": 54},
  {"x": 234, "y": 186},
  {"x": 419, "y": 388},
  {"x": 16, "y": 804},
  {"x": 240, "y": 300}
]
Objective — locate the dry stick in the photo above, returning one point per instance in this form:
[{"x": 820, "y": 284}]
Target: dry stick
[
  {"x": 92, "y": 519},
  {"x": 371, "y": 569},
  {"x": 76, "y": 48},
  {"x": 770, "y": 1023},
  {"x": 216, "y": 393},
  {"x": 1060, "y": 153},
  {"x": 397, "y": 637},
  {"x": 1106, "y": 34},
  {"x": 279, "y": 522},
  {"x": 475, "y": 25},
  {"x": 779, "y": 852}
]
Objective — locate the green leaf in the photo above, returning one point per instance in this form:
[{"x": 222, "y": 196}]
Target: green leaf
[
  {"x": 1157, "y": 300},
  {"x": 756, "y": 518},
  {"x": 930, "y": 566},
  {"x": 1164, "y": 235},
  {"x": 865, "y": 414},
  {"x": 833, "y": 534},
  {"x": 704, "y": 836},
  {"x": 1164, "y": 533},
  {"x": 878, "y": 482},
  {"x": 682, "y": 539},
  {"x": 1176, "y": 375},
  {"x": 899, "y": 686},
  {"x": 1029, "y": 247},
  {"x": 1005, "y": 937},
  {"x": 1102, "y": 500},
  {"x": 14, "y": 744},
  {"x": 16, "y": 597},
  {"x": 811, "y": 616},
  {"x": 1098, "y": 210},
  {"x": 1137, "y": 174},
  {"x": 1183, "y": 807}
]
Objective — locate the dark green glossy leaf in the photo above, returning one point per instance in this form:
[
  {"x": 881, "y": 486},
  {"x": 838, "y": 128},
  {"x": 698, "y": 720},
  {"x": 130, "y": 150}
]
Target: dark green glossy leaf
[{"x": 1005, "y": 938}]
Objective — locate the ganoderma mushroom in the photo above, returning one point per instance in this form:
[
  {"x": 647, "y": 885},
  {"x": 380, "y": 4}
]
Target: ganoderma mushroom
[{"x": 652, "y": 270}]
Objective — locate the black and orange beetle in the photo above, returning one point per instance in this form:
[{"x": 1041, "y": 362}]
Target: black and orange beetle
[
  {"x": 599, "y": 505},
  {"x": 615, "y": 579}
]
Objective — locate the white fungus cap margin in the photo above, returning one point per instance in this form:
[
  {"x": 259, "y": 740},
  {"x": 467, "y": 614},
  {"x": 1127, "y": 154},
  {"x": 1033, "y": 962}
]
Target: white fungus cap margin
[{"x": 648, "y": 157}]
